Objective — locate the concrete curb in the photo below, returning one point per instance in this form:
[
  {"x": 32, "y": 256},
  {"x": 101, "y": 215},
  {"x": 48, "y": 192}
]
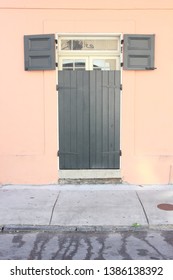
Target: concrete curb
[
  {"x": 98, "y": 229},
  {"x": 78, "y": 228}
]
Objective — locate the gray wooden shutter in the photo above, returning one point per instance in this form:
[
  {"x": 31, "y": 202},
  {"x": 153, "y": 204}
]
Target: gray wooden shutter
[
  {"x": 139, "y": 52},
  {"x": 89, "y": 119},
  {"x": 39, "y": 52}
]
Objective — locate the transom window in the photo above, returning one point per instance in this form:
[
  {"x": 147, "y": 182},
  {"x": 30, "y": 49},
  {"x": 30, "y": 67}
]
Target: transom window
[
  {"x": 89, "y": 53},
  {"x": 89, "y": 44}
]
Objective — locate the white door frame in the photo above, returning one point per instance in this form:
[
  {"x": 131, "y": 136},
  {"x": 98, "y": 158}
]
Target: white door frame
[{"x": 88, "y": 174}]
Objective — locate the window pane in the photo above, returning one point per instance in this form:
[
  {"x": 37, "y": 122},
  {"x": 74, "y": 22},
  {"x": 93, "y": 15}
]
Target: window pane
[
  {"x": 80, "y": 64},
  {"x": 101, "y": 44},
  {"x": 90, "y": 44},
  {"x": 73, "y": 64},
  {"x": 77, "y": 45},
  {"x": 66, "y": 45},
  {"x": 104, "y": 64},
  {"x": 67, "y": 64}
]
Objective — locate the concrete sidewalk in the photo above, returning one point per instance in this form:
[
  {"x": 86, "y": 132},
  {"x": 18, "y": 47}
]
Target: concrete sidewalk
[{"x": 85, "y": 207}]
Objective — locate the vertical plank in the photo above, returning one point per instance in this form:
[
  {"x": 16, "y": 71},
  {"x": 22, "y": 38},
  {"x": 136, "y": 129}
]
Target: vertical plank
[
  {"x": 117, "y": 119},
  {"x": 96, "y": 123},
  {"x": 66, "y": 116},
  {"x": 61, "y": 119},
  {"x": 93, "y": 119},
  {"x": 73, "y": 121},
  {"x": 99, "y": 120},
  {"x": 111, "y": 149},
  {"x": 105, "y": 109},
  {"x": 86, "y": 117},
  {"x": 79, "y": 118},
  {"x": 83, "y": 119}
]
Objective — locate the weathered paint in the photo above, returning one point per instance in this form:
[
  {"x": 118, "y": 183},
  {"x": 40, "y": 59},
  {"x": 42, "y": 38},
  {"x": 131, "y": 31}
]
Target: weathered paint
[{"x": 28, "y": 100}]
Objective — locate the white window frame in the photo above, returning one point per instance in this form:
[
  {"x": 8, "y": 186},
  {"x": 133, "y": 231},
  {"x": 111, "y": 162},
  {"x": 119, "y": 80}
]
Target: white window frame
[{"x": 100, "y": 54}]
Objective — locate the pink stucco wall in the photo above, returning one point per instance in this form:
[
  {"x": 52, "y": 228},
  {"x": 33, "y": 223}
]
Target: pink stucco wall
[{"x": 28, "y": 100}]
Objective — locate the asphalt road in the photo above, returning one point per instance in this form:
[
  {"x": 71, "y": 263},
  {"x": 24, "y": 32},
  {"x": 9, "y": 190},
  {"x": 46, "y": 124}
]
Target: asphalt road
[{"x": 127, "y": 245}]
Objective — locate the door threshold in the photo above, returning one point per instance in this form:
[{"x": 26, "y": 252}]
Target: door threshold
[{"x": 91, "y": 174}]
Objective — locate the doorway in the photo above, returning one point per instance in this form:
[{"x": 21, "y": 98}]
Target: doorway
[{"x": 89, "y": 85}]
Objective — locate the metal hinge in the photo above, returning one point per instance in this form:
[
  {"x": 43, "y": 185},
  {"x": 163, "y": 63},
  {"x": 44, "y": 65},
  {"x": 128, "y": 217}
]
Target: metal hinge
[
  {"x": 120, "y": 153},
  {"x": 57, "y": 154},
  {"x": 121, "y": 87},
  {"x": 121, "y": 64},
  {"x": 122, "y": 42},
  {"x": 56, "y": 44},
  {"x": 56, "y": 41},
  {"x": 56, "y": 64},
  {"x": 57, "y": 87}
]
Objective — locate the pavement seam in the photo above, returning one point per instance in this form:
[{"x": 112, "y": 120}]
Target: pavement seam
[
  {"x": 53, "y": 208},
  {"x": 143, "y": 208}
]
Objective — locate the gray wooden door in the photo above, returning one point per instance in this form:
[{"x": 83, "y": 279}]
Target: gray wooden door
[{"x": 89, "y": 119}]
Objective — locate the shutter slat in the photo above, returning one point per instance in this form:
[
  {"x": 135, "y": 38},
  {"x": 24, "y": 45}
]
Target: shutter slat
[
  {"x": 39, "y": 52},
  {"x": 139, "y": 51}
]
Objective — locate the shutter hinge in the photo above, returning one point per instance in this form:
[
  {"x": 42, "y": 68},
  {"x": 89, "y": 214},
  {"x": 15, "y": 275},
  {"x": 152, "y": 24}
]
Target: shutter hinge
[
  {"x": 120, "y": 153},
  {"x": 121, "y": 64},
  {"x": 56, "y": 64},
  {"x": 57, "y": 87},
  {"x": 57, "y": 154},
  {"x": 121, "y": 87},
  {"x": 122, "y": 42}
]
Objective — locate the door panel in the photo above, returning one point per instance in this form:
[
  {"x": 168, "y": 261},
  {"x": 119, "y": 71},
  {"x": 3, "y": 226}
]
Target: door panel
[
  {"x": 73, "y": 119},
  {"x": 89, "y": 117},
  {"x": 104, "y": 119}
]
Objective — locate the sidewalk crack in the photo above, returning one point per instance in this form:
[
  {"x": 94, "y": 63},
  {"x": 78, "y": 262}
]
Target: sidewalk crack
[
  {"x": 143, "y": 208},
  {"x": 53, "y": 208}
]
